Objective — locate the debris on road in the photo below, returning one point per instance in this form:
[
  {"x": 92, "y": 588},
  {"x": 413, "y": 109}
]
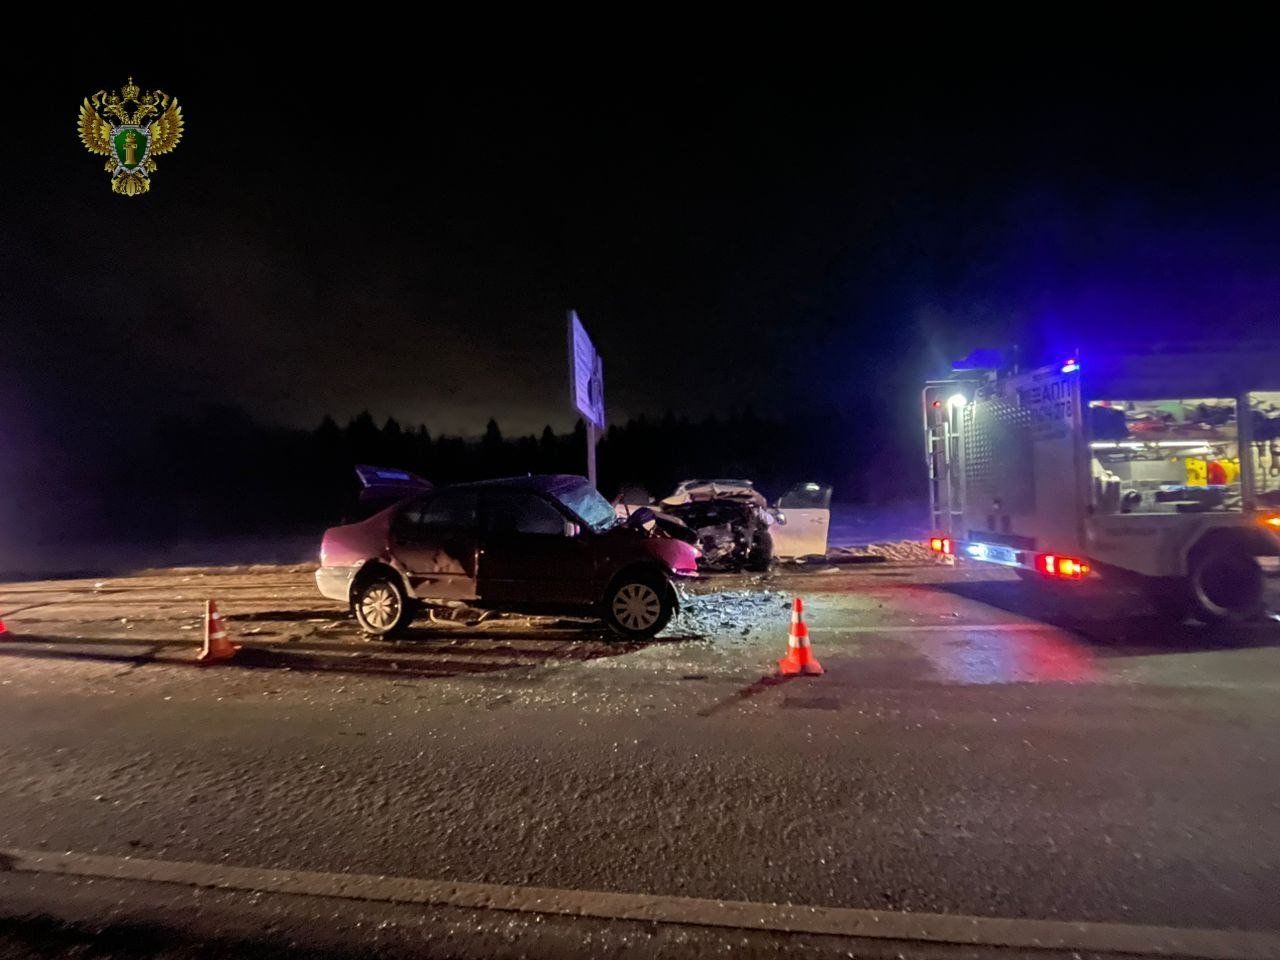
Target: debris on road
[{"x": 728, "y": 610}]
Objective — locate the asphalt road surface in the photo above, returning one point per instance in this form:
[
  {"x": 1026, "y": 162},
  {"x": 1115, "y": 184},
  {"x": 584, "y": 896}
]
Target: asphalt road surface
[{"x": 974, "y": 750}]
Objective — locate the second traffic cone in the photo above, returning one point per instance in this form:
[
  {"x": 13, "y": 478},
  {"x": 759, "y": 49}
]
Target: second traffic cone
[
  {"x": 799, "y": 658},
  {"x": 217, "y": 646}
]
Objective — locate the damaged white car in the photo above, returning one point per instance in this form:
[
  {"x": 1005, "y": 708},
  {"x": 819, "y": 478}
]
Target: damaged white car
[{"x": 734, "y": 526}]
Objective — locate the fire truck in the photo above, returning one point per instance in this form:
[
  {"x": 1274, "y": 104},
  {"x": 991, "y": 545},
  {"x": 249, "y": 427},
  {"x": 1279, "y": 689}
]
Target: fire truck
[{"x": 1160, "y": 469}]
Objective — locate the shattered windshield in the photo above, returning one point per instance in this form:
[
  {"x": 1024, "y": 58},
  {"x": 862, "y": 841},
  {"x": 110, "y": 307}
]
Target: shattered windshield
[{"x": 586, "y": 502}]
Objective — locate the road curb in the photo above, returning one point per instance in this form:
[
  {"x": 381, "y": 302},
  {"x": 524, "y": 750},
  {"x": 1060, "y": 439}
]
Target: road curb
[{"x": 1115, "y": 938}]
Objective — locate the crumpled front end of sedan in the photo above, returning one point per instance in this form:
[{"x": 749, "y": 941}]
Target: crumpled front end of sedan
[{"x": 679, "y": 558}]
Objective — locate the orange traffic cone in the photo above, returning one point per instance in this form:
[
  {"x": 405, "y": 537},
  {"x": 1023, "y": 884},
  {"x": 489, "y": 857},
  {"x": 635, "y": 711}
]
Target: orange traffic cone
[
  {"x": 217, "y": 647},
  {"x": 799, "y": 658}
]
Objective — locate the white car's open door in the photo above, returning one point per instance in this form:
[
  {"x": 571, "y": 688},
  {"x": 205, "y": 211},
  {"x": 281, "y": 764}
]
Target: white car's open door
[{"x": 806, "y": 513}]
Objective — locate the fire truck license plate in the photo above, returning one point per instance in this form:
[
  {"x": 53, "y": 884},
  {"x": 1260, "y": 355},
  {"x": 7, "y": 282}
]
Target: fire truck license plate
[{"x": 1001, "y": 554}]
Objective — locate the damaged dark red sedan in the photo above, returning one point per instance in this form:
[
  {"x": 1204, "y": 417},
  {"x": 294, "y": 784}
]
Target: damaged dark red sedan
[{"x": 537, "y": 544}]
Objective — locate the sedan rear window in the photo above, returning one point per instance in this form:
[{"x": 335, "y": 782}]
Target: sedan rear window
[{"x": 448, "y": 510}]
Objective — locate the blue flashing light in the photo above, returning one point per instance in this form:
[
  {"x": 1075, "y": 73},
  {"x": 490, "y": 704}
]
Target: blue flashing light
[{"x": 1071, "y": 366}]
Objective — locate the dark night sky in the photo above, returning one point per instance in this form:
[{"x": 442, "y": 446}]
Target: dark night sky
[{"x": 404, "y": 233}]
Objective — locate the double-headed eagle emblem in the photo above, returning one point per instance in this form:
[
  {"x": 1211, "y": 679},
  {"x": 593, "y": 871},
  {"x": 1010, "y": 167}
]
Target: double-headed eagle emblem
[{"x": 131, "y": 139}]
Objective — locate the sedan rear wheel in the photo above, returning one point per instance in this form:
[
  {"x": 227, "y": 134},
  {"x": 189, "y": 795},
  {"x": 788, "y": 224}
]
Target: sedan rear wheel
[
  {"x": 639, "y": 605},
  {"x": 381, "y": 607}
]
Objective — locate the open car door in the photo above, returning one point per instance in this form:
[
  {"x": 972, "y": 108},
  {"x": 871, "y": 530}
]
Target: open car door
[{"x": 806, "y": 512}]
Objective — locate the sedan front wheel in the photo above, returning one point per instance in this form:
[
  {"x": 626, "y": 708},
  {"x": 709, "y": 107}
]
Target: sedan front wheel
[{"x": 639, "y": 605}]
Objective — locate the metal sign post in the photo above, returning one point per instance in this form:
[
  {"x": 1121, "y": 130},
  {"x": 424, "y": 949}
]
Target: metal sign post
[
  {"x": 591, "y": 454},
  {"x": 586, "y": 387}
]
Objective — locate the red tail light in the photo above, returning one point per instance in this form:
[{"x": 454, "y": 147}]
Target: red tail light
[
  {"x": 1063, "y": 568},
  {"x": 943, "y": 545}
]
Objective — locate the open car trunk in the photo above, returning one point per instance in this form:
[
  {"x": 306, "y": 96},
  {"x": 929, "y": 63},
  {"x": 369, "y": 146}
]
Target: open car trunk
[{"x": 380, "y": 487}]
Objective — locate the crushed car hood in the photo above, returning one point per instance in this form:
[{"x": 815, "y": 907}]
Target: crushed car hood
[{"x": 701, "y": 490}]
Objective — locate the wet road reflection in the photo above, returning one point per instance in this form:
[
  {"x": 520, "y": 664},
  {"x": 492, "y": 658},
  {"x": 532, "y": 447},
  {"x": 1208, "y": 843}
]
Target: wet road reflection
[
  {"x": 989, "y": 632},
  {"x": 1009, "y": 656}
]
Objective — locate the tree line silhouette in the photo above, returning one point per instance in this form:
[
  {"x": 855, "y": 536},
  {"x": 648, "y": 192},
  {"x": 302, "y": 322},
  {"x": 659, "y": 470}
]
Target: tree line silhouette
[{"x": 218, "y": 472}]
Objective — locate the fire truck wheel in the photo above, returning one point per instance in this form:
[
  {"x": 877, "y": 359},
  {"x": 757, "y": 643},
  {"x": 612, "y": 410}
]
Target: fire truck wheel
[{"x": 1225, "y": 585}]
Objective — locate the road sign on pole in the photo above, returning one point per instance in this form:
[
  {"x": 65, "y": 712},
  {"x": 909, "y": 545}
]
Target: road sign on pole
[{"x": 586, "y": 386}]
